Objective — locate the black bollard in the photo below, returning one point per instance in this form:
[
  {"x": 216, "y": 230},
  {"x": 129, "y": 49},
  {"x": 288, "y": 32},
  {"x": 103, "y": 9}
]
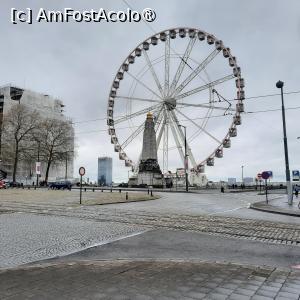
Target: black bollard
[
  {"x": 148, "y": 191},
  {"x": 111, "y": 190},
  {"x": 93, "y": 190},
  {"x": 102, "y": 190},
  {"x": 151, "y": 194},
  {"x": 126, "y": 195},
  {"x": 119, "y": 190},
  {"x": 85, "y": 189}
]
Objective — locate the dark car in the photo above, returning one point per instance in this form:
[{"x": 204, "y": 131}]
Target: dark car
[
  {"x": 14, "y": 184},
  {"x": 60, "y": 185}
]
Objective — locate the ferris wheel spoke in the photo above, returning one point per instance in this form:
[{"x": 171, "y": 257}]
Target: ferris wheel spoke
[
  {"x": 153, "y": 72},
  {"x": 137, "y": 113},
  {"x": 206, "y": 118},
  {"x": 182, "y": 64},
  {"x": 167, "y": 66},
  {"x": 144, "y": 85},
  {"x": 138, "y": 99},
  {"x": 195, "y": 72},
  {"x": 203, "y": 124},
  {"x": 207, "y": 106},
  {"x": 133, "y": 136},
  {"x": 204, "y": 87},
  {"x": 202, "y": 128},
  {"x": 182, "y": 138}
]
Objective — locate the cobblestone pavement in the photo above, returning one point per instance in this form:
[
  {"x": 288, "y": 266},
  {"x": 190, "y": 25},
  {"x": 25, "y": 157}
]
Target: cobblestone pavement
[
  {"x": 49, "y": 229},
  {"x": 266, "y": 231},
  {"x": 149, "y": 280},
  {"x": 26, "y": 238}
]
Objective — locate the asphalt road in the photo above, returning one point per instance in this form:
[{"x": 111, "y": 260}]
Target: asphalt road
[
  {"x": 168, "y": 245},
  {"x": 212, "y": 203}
]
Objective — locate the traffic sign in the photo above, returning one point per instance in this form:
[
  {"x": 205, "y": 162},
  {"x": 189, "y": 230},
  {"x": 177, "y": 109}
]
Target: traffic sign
[
  {"x": 296, "y": 175},
  {"x": 259, "y": 175},
  {"x": 38, "y": 168},
  {"x": 265, "y": 175},
  {"x": 81, "y": 171}
]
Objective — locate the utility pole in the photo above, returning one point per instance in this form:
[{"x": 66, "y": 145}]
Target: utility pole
[
  {"x": 279, "y": 85},
  {"x": 242, "y": 174}
]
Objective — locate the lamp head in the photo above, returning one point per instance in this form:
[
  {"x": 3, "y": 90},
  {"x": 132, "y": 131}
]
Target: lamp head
[{"x": 279, "y": 84}]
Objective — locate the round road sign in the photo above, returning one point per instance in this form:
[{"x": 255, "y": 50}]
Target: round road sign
[
  {"x": 81, "y": 171},
  {"x": 265, "y": 175}
]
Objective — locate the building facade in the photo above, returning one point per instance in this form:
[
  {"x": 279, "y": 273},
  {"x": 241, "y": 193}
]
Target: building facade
[
  {"x": 47, "y": 107},
  {"x": 105, "y": 171}
]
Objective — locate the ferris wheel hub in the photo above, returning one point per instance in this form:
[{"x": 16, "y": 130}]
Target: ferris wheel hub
[{"x": 170, "y": 103}]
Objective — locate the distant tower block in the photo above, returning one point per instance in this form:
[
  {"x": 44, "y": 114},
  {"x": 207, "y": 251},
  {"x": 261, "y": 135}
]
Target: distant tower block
[{"x": 149, "y": 171}]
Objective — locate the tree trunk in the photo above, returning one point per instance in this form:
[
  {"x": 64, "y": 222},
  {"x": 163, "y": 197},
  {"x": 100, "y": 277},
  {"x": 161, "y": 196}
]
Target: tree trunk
[
  {"x": 48, "y": 168},
  {"x": 16, "y": 159}
]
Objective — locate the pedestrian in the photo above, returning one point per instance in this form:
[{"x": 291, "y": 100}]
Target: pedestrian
[{"x": 296, "y": 190}]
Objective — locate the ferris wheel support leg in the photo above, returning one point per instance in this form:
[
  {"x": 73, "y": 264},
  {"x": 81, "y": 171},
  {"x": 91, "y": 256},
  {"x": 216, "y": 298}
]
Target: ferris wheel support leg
[
  {"x": 165, "y": 144},
  {"x": 179, "y": 147},
  {"x": 181, "y": 135}
]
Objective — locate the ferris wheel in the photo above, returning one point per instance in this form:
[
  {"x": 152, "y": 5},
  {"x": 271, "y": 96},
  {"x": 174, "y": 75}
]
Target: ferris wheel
[{"x": 187, "y": 78}]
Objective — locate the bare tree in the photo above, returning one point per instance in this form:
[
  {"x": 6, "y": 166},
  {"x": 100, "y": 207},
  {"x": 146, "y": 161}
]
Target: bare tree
[
  {"x": 56, "y": 138},
  {"x": 18, "y": 125}
]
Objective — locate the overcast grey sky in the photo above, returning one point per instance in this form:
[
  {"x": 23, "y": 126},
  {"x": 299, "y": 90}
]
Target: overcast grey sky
[{"x": 78, "y": 61}]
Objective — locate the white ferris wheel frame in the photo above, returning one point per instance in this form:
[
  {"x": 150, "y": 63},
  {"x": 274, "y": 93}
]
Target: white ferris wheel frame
[{"x": 169, "y": 92}]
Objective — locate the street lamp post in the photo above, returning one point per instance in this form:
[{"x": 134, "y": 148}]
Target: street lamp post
[
  {"x": 38, "y": 160},
  {"x": 242, "y": 174},
  {"x": 279, "y": 85},
  {"x": 185, "y": 160}
]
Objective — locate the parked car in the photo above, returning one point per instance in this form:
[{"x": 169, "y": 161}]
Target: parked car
[
  {"x": 2, "y": 184},
  {"x": 14, "y": 184},
  {"x": 58, "y": 185}
]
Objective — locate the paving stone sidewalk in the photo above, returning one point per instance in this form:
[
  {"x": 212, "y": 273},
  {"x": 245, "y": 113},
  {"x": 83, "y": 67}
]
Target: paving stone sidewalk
[
  {"x": 278, "y": 206},
  {"x": 148, "y": 279}
]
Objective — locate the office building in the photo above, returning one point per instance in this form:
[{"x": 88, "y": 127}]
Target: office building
[
  {"x": 105, "y": 171},
  {"x": 47, "y": 107}
]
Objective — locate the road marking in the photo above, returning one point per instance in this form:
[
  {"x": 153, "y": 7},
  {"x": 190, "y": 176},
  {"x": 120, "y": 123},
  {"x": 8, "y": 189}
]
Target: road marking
[
  {"x": 296, "y": 267},
  {"x": 225, "y": 211},
  {"x": 123, "y": 237}
]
